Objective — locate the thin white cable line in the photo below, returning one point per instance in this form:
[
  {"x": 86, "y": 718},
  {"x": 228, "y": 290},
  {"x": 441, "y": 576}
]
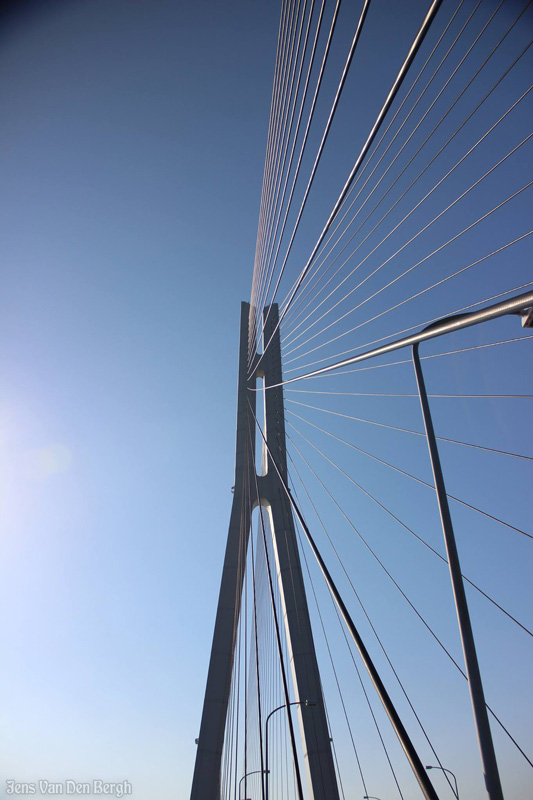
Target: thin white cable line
[
  {"x": 280, "y": 55},
  {"x": 433, "y": 355},
  {"x": 264, "y": 271},
  {"x": 276, "y": 146},
  {"x": 310, "y": 578},
  {"x": 346, "y": 638},
  {"x": 273, "y": 157},
  {"x": 413, "y": 238},
  {"x": 433, "y": 286},
  {"x": 466, "y": 504},
  {"x": 408, "y": 430},
  {"x": 416, "y": 536},
  {"x": 273, "y": 99},
  {"x": 305, "y": 136},
  {"x": 416, "y": 327},
  {"x": 396, "y": 394},
  {"x": 409, "y": 475},
  {"x": 320, "y": 150},
  {"x": 465, "y": 88},
  {"x": 297, "y": 56},
  {"x": 381, "y": 564},
  {"x": 273, "y": 110},
  {"x": 315, "y": 272},
  {"x": 356, "y": 595},
  {"x": 309, "y": 120},
  {"x": 298, "y": 123},
  {"x": 294, "y": 94},
  {"x": 290, "y": 336},
  {"x": 375, "y": 129}
]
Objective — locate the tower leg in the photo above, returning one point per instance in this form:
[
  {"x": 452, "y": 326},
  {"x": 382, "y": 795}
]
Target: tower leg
[
  {"x": 206, "y": 778},
  {"x": 306, "y": 676}
]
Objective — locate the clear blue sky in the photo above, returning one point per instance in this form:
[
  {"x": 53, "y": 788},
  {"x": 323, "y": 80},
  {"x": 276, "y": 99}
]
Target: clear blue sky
[{"x": 131, "y": 150}]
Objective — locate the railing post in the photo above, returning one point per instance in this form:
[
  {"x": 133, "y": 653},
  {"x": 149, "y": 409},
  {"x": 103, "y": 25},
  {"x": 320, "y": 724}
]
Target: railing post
[{"x": 486, "y": 746}]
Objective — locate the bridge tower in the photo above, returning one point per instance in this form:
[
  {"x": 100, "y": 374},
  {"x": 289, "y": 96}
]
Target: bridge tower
[{"x": 315, "y": 737}]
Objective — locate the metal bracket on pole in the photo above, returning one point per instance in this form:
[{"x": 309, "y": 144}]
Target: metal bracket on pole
[{"x": 527, "y": 317}]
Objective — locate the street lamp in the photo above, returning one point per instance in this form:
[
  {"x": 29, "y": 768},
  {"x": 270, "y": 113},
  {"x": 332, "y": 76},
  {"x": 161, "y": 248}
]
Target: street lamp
[
  {"x": 453, "y": 776},
  {"x": 255, "y": 772},
  {"x": 285, "y": 705}
]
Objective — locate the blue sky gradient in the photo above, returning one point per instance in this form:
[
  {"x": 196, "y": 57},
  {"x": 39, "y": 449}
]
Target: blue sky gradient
[{"x": 131, "y": 152}]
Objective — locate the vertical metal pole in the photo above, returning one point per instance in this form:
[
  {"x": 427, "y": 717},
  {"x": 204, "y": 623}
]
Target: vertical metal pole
[
  {"x": 266, "y": 759},
  {"x": 486, "y": 745},
  {"x": 267, "y": 770},
  {"x": 287, "y": 706}
]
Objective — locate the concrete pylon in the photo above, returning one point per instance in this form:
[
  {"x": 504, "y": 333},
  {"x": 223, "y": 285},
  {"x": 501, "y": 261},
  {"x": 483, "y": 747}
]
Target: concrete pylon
[
  {"x": 314, "y": 730},
  {"x": 316, "y": 744}
]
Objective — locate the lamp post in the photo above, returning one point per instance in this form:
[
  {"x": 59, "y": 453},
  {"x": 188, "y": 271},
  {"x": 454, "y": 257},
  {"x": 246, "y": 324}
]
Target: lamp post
[
  {"x": 285, "y": 705},
  {"x": 453, "y": 776},
  {"x": 255, "y": 772}
]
